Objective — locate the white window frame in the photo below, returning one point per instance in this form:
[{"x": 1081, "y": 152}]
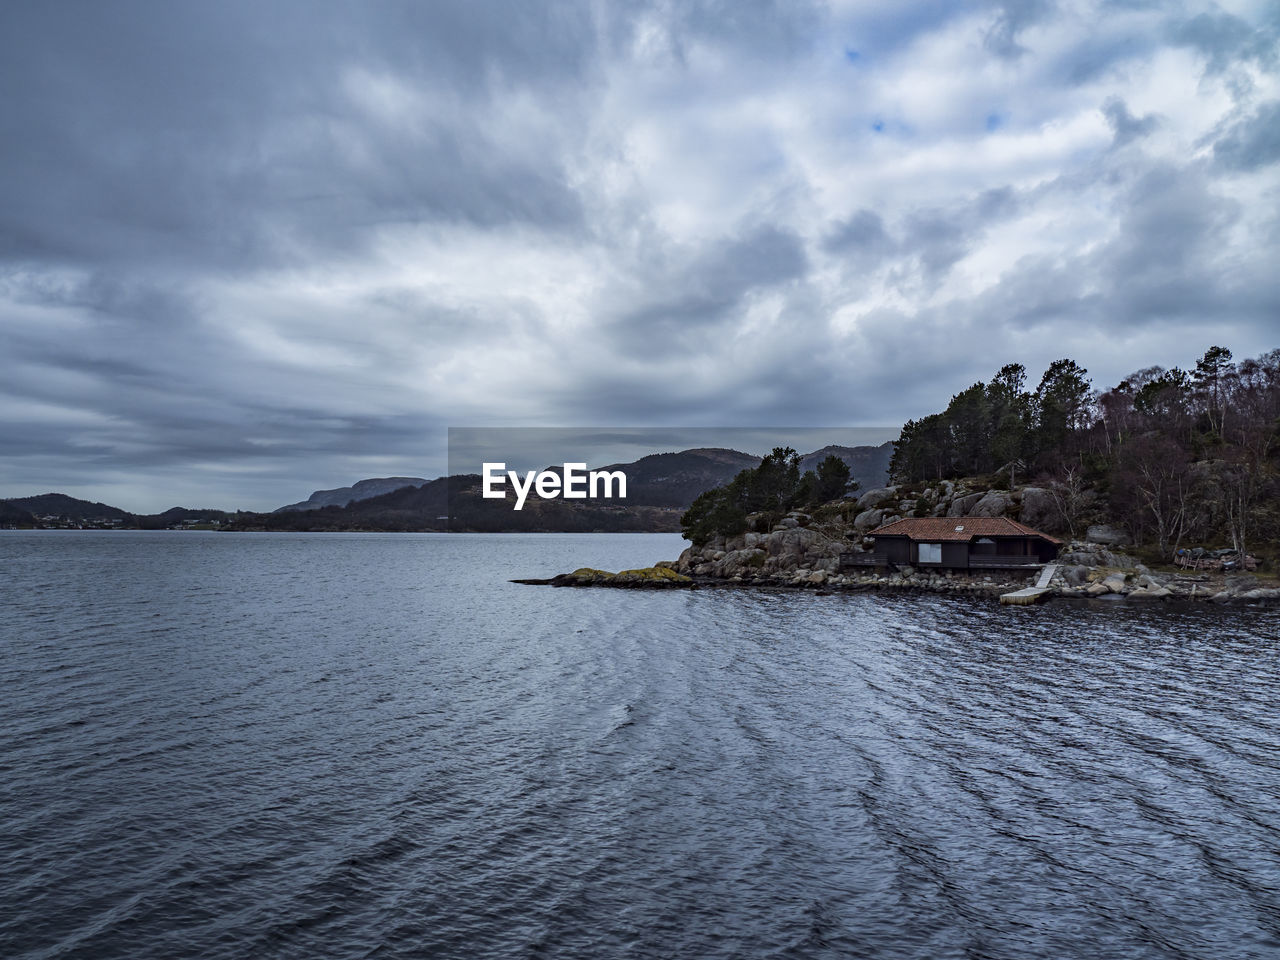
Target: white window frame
[{"x": 935, "y": 553}]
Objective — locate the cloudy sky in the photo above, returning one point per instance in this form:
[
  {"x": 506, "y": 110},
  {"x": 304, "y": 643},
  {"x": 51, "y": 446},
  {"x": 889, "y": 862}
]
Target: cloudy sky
[{"x": 250, "y": 249}]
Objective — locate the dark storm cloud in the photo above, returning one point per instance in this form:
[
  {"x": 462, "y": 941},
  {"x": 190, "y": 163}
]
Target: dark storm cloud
[
  {"x": 251, "y": 250},
  {"x": 111, "y": 297},
  {"x": 1095, "y": 56},
  {"x": 695, "y": 296},
  {"x": 1170, "y": 225},
  {"x": 1012, "y": 18},
  {"x": 1160, "y": 267},
  {"x": 1226, "y": 40},
  {"x": 762, "y": 256},
  {"x": 1252, "y": 142},
  {"x": 932, "y": 240},
  {"x": 231, "y": 133},
  {"x": 937, "y": 241},
  {"x": 861, "y": 240},
  {"x": 762, "y": 28},
  {"x": 926, "y": 244},
  {"x": 1127, "y": 127}
]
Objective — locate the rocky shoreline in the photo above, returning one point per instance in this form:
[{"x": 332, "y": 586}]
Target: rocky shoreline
[
  {"x": 1134, "y": 584},
  {"x": 803, "y": 551},
  {"x": 803, "y": 558}
]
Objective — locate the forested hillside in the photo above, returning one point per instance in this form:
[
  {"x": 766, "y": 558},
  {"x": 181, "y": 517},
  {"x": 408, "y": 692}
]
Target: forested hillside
[{"x": 1175, "y": 455}]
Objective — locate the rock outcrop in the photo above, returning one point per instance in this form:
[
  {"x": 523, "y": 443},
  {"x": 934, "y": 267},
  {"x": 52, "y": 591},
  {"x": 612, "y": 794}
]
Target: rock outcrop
[
  {"x": 874, "y": 498},
  {"x": 790, "y": 547},
  {"x": 868, "y": 520},
  {"x": 1039, "y": 509},
  {"x": 994, "y": 503},
  {"x": 660, "y": 575},
  {"x": 1106, "y": 535},
  {"x": 960, "y": 506}
]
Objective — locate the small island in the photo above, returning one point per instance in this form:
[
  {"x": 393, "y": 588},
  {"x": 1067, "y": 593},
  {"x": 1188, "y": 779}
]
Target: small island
[
  {"x": 1164, "y": 487},
  {"x": 809, "y": 551}
]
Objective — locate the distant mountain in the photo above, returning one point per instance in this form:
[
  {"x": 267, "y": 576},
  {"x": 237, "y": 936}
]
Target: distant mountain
[
  {"x": 719, "y": 455},
  {"x": 61, "y": 505},
  {"x": 406, "y": 508},
  {"x": 181, "y": 517},
  {"x": 868, "y": 465},
  {"x": 187, "y": 513},
  {"x": 660, "y": 487},
  {"x": 362, "y": 490},
  {"x": 676, "y": 479}
]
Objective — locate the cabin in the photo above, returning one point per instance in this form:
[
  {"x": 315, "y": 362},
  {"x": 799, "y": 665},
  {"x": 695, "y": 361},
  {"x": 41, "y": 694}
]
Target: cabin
[{"x": 957, "y": 543}]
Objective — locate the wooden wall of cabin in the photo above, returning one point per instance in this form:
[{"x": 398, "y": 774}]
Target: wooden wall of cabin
[{"x": 896, "y": 549}]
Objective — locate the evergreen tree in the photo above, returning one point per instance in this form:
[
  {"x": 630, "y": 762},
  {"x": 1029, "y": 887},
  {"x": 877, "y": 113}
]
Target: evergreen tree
[{"x": 831, "y": 481}]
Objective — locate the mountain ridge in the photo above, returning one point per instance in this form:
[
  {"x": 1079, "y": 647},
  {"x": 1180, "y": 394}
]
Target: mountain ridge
[
  {"x": 360, "y": 490},
  {"x": 660, "y": 487}
]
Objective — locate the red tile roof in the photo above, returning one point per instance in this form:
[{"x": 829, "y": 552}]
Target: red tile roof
[{"x": 935, "y": 529}]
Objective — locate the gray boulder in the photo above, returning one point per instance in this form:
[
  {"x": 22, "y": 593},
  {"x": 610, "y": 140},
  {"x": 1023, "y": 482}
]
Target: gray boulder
[
  {"x": 1039, "y": 509},
  {"x": 876, "y": 497},
  {"x": 1079, "y": 557},
  {"x": 794, "y": 543},
  {"x": 961, "y": 506},
  {"x": 1114, "y": 583},
  {"x": 868, "y": 519},
  {"x": 1108, "y": 559},
  {"x": 1074, "y": 574},
  {"x": 741, "y": 562},
  {"x": 1150, "y": 593},
  {"x": 1106, "y": 535},
  {"x": 1261, "y": 593},
  {"x": 994, "y": 503}
]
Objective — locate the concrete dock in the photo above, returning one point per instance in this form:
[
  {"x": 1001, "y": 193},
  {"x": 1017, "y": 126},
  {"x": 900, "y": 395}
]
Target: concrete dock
[{"x": 1029, "y": 595}]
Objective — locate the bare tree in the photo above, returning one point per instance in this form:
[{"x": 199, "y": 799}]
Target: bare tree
[{"x": 1070, "y": 497}]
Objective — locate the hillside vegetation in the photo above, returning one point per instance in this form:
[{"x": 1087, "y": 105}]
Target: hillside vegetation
[
  {"x": 1174, "y": 456},
  {"x": 1168, "y": 457}
]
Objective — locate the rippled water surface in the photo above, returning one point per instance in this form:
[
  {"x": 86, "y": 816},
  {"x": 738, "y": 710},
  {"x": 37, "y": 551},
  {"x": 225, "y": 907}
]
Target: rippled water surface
[{"x": 262, "y": 745}]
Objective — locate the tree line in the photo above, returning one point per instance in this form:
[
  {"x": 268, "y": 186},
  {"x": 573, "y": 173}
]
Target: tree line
[
  {"x": 771, "y": 489},
  {"x": 1176, "y": 456}
]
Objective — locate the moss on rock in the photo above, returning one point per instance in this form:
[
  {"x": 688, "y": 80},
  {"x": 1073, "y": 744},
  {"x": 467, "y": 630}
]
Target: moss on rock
[
  {"x": 641, "y": 577},
  {"x": 654, "y": 574}
]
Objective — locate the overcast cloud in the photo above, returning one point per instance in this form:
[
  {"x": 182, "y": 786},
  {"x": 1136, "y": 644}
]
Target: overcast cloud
[{"x": 248, "y": 250}]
